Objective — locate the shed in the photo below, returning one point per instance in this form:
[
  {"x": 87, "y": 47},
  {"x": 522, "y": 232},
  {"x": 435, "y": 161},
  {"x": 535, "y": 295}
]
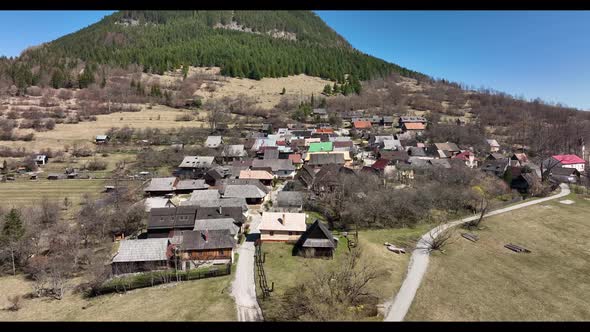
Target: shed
[
  {"x": 316, "y": 241},
  {"x": 140, "y": 255}
]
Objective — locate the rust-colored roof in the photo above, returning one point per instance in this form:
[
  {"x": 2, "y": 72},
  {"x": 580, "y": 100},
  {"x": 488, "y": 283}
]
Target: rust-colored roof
[
  {"x": 253, "y": 174},
  {"x": 296, "y": 158},
  {"x": 325, "y": 130},
  {"x": 414, "y": 126},
  {"x": 362, "y": 124}
]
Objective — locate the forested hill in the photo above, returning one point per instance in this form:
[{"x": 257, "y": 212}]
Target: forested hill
[{"x": 250, "y": 44}]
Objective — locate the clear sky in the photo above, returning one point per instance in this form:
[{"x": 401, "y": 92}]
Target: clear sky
[{"x": 542, "y": 54}]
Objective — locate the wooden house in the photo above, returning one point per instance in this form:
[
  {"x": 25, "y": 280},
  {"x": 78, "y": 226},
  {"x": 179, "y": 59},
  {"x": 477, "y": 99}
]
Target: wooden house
[{"x": 316, "y": 241}]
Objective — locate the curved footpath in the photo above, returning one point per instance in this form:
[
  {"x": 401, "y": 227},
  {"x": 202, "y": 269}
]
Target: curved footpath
[{"x": 420, "y": 256}]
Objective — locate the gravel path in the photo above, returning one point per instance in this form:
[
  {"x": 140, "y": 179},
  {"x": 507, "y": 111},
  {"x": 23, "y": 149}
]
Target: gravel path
[
  {"x": 243, "y": 286},
  {"x": 420, "y": 257}
]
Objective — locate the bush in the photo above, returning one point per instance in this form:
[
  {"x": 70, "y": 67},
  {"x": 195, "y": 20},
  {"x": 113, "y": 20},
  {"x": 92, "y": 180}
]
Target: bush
[
  {"x": 96, "y": 165},
  {"x": 184, "y": 117},
  {"x": 149, "y": 279}
]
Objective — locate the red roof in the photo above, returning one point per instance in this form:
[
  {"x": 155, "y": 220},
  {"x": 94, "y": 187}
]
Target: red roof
[
  {"x": 380, "y": 164},
  {"x": 464, "y": 155},
  {"x": 362, "y": 124},
  {"x": 281, "y": 143},
  {"x": 414, "y": 126},
  {"x": 325, "y": 130},
  {"x": 295, "y": 158},
  {"x": 568, "y": 159}
]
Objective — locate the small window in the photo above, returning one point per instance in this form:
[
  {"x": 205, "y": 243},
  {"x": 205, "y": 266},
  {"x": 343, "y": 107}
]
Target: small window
[
  {"x": 220, "y": 251},
  {"x": 290, "y": 233},
  {"x": 272, "y": 233}
]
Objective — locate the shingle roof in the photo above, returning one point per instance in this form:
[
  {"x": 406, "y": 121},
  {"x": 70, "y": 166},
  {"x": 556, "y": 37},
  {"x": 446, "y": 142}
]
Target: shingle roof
[
  {"x": 161, "y": 184},
  {"x": 415, "y": 151},
  {"x": 172, "y": 217},
  {"x": 316, "y": 236},
  {"x": 448, "y": 146},
  {"x": 222, "y": 202},
  {"x": 217, "y": 239},
  {"x": 216, "y": 224},
  {"x": 290, "y": 221},
  {"x": 274, "y": 164},
  {"x": 326, "y": 158},
  {"x": 270, "y": 154},
  {"x": 145, "y": 250},
  {"x": 415, "y": 125},
  {"x": 202, "y": 195},
  {"x": 392, "y": 144},
  {"x": 245, "y": 191},
  {"x": 213, "y": 141},
  {"x": 252, "y": 174},
  {"x": 380, "y": 164},
  {"x": 236, "y": 150},
  {"x": 191, "y": 185},
  {"x": 289, "y": 199},
  {"x": 295, "y": 158},
  {"x": 395, "y": 155},
  {"x": 196, "y": 162}
]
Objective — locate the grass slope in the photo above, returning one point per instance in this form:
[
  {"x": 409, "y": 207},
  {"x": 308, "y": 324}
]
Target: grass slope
[{"x": 485, "y": 281}]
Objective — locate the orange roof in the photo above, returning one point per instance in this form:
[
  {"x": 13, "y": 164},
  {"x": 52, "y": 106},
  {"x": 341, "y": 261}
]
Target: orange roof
[
  {"x": 325, "y": 130},
  {"x": 362, "y": 124},
  {"x": 295, "y": 158},
  {"x": 415, "y": 126},
  {"x": 259, "y": 175}
]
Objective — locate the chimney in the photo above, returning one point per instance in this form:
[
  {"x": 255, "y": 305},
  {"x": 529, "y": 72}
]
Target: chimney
[{"x": 283, "y": 219}]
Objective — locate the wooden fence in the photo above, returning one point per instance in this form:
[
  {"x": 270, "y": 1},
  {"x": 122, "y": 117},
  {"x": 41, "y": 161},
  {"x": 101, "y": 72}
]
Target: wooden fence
[{"x": 259, "y": 258}]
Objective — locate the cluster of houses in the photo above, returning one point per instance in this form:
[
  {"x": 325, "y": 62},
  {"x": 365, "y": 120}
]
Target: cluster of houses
[{"x": 197, "y": 215}]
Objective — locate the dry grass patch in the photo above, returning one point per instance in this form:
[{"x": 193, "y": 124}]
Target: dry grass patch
[
  {"x": 485, "y": 281},
  {"x": 199, "y": 300},
  {"x": 23, "y": 192}
]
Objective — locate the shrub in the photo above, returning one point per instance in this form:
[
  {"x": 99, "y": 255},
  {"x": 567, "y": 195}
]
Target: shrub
[
  {"x": 96, "y": 165},
  {"x": 184, "y": 117}
]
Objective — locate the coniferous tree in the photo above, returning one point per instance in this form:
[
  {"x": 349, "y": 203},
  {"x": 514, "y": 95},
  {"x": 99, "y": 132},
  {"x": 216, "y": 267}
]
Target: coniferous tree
[{"x": 12, "y": 232}]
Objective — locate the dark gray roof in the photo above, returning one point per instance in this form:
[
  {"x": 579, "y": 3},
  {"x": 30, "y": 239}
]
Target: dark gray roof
[
  {"x": 564, "y": 171},
  {"x": 217, "y": 239},
  {"x": 270, "y": 154},
  {"x": 191, "y": 185},
  {"x": 412, "y": 119},
  {"x": 244, "y": 190},
  {"x": 440, "y": 163},
  {"x": 216, "y": 212},
  {"x": 161, "y": 184},
  {"x": 172, "y": 217},
  {"x": 201, "y": 195},
  {"x": 274, "y": 164},
  {"x": 326, "y": 158},
  {"x": 289, "y": 199},
  {"x": 415, "y": 151},
  {"x": 254, "y": 182},
  {"x": 316, "y": 236},
  {"x": 145, "y": 250},
  {"x": 216, "y": 224},
  {"x": 495, "y": 165},
  {"x": 221, "y": 202}
]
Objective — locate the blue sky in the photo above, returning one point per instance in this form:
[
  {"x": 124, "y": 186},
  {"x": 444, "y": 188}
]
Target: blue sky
[{"x": 533, "y": 54}]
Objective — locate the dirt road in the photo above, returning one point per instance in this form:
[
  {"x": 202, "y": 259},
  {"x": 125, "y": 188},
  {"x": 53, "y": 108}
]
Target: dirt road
[
  {"x": 420, "y": 257},
  {"x": 243, "y": 286}
]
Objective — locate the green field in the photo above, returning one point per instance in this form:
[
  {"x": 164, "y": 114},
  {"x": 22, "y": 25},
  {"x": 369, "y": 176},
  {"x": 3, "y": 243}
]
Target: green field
[{"x": 483, "y": 281}]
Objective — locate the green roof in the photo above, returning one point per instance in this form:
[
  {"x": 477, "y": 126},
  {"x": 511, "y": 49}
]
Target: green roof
[{"x": 320, "y": 147}]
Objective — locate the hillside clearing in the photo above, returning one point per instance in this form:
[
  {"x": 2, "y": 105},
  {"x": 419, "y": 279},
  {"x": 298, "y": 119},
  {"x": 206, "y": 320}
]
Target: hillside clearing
[{"x": 485, "y": 281}]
